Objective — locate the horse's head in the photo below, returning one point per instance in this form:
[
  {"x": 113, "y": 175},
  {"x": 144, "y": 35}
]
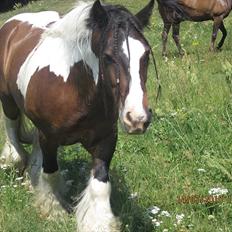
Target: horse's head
[{"x": 123, "y": 52}]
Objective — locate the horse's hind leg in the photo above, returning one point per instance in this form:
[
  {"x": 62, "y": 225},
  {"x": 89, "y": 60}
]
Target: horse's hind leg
[
  {"x": 165, "y": 32},
  {"x": 224, "y": 34},
  {"x": 26, "y": 131},
  {"x": 217, "y": 22},
  {"x": 13, "y": 151},
  {"x": 176, "y": 37}
]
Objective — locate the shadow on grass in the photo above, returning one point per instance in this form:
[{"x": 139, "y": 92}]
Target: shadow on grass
[{"x": 132, "y": 216}]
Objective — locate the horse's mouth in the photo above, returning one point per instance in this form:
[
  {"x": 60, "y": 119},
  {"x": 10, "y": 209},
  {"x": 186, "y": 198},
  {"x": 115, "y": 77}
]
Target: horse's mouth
[{"x": 133, "y": 130}]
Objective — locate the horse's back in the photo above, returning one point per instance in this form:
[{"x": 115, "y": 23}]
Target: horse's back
[
  {"x": 18, "y": 36},
  {"x": 39, "y": 19},
  {"x": 19, "y": 32},
  {"x": 210, "y": 7}
]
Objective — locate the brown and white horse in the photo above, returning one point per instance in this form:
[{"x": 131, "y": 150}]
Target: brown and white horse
[
  {"x": 73, "y": 77},
  {"x": 173, "y": 12}
]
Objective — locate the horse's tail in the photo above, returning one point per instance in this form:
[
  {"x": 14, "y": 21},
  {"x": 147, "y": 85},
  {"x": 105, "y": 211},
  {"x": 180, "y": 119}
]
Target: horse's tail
[{"x": 178, "y": 11}]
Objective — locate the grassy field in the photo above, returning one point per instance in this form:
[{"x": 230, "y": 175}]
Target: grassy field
[{"x": 186, "y": 151}]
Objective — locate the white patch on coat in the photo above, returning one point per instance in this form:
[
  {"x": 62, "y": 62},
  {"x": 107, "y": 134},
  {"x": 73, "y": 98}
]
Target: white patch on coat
[
  {"x": 65, "y": 43},
  {"x": 93, "y": 211},
  {"x": 134, "y": 99},
  {"x": 40, "y": 19}
]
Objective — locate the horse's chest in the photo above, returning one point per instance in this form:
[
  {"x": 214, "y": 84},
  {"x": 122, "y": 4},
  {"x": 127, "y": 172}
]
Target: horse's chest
[{"x": 88, "y": 131}]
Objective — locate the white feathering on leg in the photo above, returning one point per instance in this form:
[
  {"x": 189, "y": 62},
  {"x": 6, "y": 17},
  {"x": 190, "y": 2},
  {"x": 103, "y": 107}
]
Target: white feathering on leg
[
  {"x": 49, "y": 194},
  {"x": 93, "y": 212}
]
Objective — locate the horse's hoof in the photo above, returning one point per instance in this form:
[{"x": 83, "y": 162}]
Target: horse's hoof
[
  {"x": 164, "y": 54},
  {"x": 212, "y": 49},
  {"x": 182, "y": 52},
  {"x": 165, "y": 58}
]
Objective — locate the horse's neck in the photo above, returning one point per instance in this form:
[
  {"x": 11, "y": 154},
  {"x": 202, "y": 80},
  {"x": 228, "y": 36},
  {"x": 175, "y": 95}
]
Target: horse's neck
[{"x": 72, "y": 39}]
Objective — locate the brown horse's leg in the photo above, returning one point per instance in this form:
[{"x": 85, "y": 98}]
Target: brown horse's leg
[
  {"x": 216, "y": 25},
  {"x": 224, "y": 34},
  {"x": 94, "y": 212},
  {"x": 176, "y": 37},
  {"x": 49, "y": 185},
  {"x": 166, "y": 30}
]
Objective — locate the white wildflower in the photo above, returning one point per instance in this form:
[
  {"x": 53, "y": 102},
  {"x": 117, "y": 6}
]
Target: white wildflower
[
  {"x": 179, "y": 218},
  {"x": 165, "y": 230},
  {"x": 133, "y": 196},
  {"x": 154, "y": 210},
  {"x": 165, "y": 214},
  {"x": 201, "y": 170},
  {"x": 173, "y": 114},
  {"x": 19, "y": 178},
  {"x": 211, "y": 217},
  {"x": 218, "y": 191},
  {"x": 156, "y": 223}
]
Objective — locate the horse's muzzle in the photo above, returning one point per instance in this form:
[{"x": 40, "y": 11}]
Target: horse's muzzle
[{"x": 138, "y": 124}]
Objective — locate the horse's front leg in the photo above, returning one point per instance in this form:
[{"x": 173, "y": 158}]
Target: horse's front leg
[
  {"x": 48, "y": 182},
  {"x": 93, "y": 211}
]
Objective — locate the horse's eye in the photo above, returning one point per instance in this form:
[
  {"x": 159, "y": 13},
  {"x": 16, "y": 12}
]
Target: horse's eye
[{"x": 109, "y": 59}]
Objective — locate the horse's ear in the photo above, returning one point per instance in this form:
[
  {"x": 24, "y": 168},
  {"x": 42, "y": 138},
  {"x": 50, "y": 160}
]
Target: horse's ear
[
  {"x": 144, "y": 15},
  {"x": 99, "y": 14}
]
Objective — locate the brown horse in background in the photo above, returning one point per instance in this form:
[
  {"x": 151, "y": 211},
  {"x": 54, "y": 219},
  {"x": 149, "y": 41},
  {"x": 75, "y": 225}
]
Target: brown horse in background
[
  {"x": 173, "y": 12},
  {"x": 73, "y": 77}
]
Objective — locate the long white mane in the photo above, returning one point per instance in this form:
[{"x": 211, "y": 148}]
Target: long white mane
[{"x": 72, "y": 26}]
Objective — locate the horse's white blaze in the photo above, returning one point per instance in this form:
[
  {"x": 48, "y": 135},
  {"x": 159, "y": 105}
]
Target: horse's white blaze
[
  {"x": 134, "y": 99},
  {"x": 61, "y": 46},
  {"x": 94, "y": 212},
  {"x": 40, "y": 19}
]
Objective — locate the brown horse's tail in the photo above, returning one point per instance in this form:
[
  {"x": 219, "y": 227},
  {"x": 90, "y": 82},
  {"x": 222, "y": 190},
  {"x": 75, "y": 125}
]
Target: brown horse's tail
[{"x": 178, "y": 11}]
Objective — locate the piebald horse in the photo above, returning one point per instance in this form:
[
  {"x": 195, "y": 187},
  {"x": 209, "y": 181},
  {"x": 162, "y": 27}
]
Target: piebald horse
[
  {"x": 173, "y": 12},
  {"x": 73, "y": 77}
]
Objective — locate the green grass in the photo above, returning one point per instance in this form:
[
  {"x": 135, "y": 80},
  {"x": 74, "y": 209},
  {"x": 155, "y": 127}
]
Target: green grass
[{"x": 191, "y": 129}]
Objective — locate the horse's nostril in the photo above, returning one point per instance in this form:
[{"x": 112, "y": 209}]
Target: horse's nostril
[
  {"x": 150, "y": 110},
  {"x": 147, "y": 123},
  {"x": 128, "y": 116}
]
